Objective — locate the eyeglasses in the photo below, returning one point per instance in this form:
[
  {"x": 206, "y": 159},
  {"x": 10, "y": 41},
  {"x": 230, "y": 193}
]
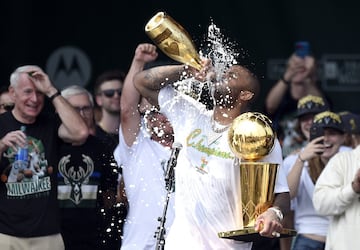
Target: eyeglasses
[
  {"x": 86, "y": 110},
  {"x": 111, "y": 92},
  {"x": 7, "y": 106}
]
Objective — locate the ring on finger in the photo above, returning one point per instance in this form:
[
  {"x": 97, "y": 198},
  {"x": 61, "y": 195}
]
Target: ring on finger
[{"x": 275, "y": 234}]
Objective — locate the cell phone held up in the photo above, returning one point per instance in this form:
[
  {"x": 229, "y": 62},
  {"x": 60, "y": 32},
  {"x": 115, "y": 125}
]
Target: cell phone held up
[
  {"x": 315, "y": 132},
  {"x": 302, "y": 49}
]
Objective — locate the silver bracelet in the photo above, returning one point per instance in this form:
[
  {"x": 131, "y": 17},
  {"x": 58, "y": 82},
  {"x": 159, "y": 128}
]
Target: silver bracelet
[{"x": 277, "y": 212}]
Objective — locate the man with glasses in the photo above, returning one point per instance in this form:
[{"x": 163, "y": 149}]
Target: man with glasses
[
  {"x": 29, "y": 217},
  {"x": 87, "y": 184},
  {"x": 108, "y": 88},
  {"x": 6, "y": 103}
]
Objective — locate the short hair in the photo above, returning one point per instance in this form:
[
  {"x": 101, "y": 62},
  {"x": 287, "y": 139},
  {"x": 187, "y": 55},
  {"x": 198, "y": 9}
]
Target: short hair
[
  {"x": 14, "y": 77},
  {"x": 250, "y": 81},
  {"x": 108, "y": 76},
  {"x": 77, "y": 90}
]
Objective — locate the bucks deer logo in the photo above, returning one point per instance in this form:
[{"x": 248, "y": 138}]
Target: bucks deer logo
[{"x": 76, "y": 176}]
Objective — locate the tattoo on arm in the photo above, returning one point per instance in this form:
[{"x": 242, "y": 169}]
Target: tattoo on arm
[{"x": 161, "y": 76}]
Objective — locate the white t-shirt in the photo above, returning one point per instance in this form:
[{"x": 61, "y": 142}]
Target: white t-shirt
[
  {"x": 207, "y": 199},
  {"x": 307, "y": 220},
  {"x": 143, "y": 167}
]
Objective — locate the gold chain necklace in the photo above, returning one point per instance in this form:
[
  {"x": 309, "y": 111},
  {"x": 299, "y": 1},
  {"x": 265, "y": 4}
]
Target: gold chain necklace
[{"x": 218, "y": 128}]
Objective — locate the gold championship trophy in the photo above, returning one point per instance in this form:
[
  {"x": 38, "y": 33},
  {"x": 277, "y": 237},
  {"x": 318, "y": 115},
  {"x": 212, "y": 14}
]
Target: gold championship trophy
[
  {"x": 251, "y": 137},
  {"x": 172, "y": 39}
]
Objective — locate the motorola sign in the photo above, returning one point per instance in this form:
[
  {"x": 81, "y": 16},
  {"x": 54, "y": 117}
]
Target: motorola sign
[{"x": 68, "y": 66}]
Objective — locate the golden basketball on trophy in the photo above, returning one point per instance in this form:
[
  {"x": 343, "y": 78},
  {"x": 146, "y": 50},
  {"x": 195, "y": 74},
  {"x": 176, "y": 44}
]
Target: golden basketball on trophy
[
  {"x": 173, "y": 39},
  {"x": 252, "y": 137}
]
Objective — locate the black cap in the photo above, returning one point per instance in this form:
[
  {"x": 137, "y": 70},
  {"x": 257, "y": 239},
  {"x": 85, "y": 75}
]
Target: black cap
[
  {"x": 311, "y": 104},
  {"x": 351, "y": 122},
  {"x": 329, "y": 119}
]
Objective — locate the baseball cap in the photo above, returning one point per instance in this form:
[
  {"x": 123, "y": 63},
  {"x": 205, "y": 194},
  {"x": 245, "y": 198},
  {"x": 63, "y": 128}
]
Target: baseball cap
[
  {"x": 328, "y": 119},
  {"x": 351, "y": 122},
  {"x": 311, "y": 104}
]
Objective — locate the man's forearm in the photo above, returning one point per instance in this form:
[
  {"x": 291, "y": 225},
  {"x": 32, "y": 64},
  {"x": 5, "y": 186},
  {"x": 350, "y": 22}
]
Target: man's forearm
[
  {"x": 282, "y": 201},
  {"x": 158, "y": 77},
  {"x": 149, "y": 82}
]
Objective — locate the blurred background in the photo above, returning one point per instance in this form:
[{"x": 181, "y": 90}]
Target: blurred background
[{"x": 75, "y": 41}]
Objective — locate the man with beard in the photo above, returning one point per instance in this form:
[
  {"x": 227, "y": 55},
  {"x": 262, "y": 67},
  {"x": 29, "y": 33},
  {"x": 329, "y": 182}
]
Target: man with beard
[
  {"x": 108, "y": 87},
  {"x": 29, "y": 217}
]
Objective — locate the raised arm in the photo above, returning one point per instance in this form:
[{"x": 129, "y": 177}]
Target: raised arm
[
  {"x": 299, "y": 78},
  {"x": 149, "y": 82},
  {"x": 73, "y": 128},
  {"x": 130, "y": 116}
]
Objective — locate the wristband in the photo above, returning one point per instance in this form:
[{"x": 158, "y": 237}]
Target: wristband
[
  {"x": 299, "y": 157},
  {"x": 57, "y": 93},
  {"x": 284, "y": 81}
]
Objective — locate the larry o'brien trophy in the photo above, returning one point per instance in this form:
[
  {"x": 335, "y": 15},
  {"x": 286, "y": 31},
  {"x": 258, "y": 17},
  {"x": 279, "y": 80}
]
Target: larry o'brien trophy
[
  {"x": 251, "y": 137},
  {"x": 172, "y": 39}
]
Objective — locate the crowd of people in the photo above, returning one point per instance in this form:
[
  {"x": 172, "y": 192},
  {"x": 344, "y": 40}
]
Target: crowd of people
[{"x": 95, "y": 170}]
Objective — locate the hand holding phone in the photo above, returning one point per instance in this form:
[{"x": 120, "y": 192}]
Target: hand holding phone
[
  {"x": 302, "y": 49},
  {"x": 315, "y": 132}
]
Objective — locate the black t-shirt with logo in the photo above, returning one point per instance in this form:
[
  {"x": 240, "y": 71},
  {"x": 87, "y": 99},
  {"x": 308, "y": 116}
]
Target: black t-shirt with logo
[
  {"x": 87, "y": 175},
  {"x": 28, "y": 204}
]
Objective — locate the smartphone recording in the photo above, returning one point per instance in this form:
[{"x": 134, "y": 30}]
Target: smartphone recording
[
  {"x": 315, "y": 132},
  {"x": 302, "y": 49}
]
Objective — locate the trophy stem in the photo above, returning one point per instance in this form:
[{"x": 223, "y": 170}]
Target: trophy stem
[
  {"x": 257, "y": 180},
  {"x": 257, "y": 183}
]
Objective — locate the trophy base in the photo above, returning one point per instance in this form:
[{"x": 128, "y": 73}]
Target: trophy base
[{"x": 249, "y": 234}]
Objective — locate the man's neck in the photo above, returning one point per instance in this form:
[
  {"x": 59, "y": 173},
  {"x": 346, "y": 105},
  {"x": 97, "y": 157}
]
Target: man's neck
[
  {"x": 92, "y": 130},
  {"x": 22, "y": 119},
  {"x": 225, "y": 116},
  {"x": 110, "y": 123}
]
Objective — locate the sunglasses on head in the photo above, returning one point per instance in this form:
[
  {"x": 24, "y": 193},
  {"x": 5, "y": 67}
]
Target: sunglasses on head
[
  {"x": 111, "y": 92},
  {"x": 7, "y": 106}
]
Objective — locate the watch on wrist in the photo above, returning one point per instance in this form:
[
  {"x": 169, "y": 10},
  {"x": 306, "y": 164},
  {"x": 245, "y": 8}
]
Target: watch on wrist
[
  {"x": 277, "y": 212},
  {"x": 285, "y": 81}
]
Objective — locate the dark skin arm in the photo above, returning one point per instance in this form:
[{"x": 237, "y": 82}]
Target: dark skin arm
[
  {"x": 149, "y": 82},
  {"x": 267, "y": 222},
  {"x": 282, "y": 201}
]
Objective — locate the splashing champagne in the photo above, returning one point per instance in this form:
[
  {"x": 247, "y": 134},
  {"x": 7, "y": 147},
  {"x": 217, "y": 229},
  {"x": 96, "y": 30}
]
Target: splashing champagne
[{"x": 173, "y": 39}]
